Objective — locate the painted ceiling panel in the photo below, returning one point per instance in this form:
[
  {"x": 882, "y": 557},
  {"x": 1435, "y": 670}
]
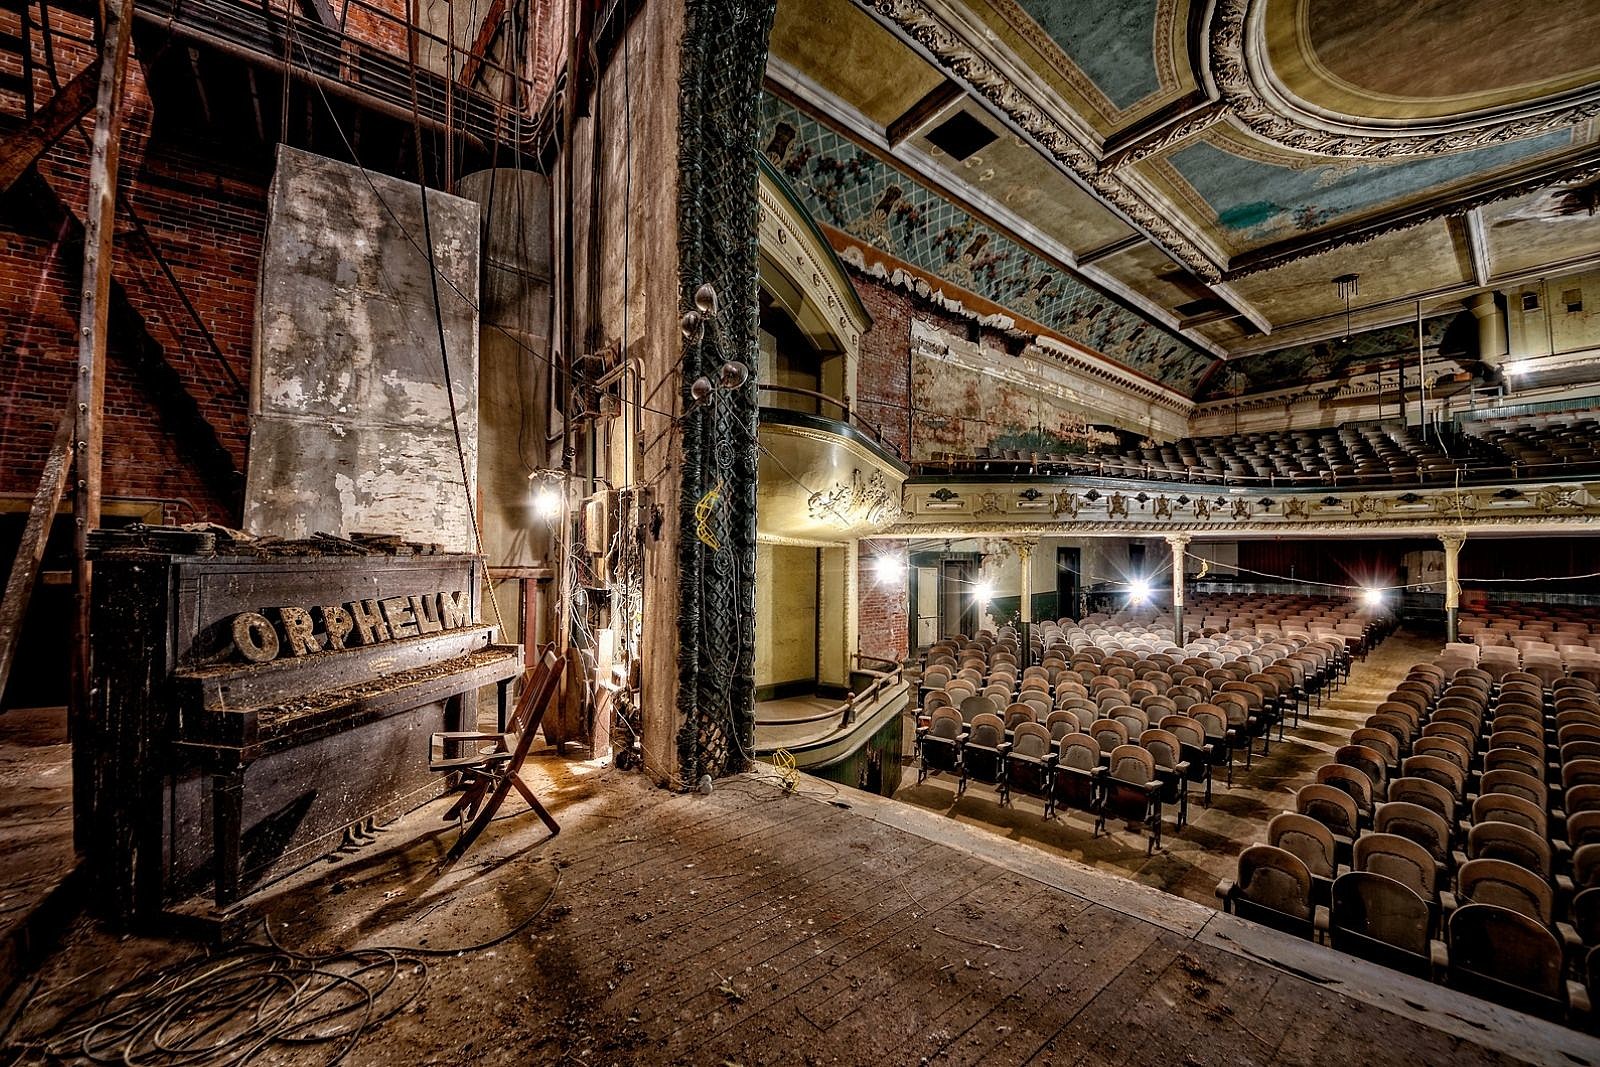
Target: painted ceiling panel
[
  {"x": 854, "y": 191},
  {"x": 1556, "y": 225},
  {"x": 1149, "y": 272},
  {"x": 1113, "y": 61},
  {"x": 1429, "y": 59},
  {"x": 1389, "y": 267},
  {"x": 841, "y": 48},
  {"x": 1249, "y": 194},
  {"x": 1023, "y": 181}
]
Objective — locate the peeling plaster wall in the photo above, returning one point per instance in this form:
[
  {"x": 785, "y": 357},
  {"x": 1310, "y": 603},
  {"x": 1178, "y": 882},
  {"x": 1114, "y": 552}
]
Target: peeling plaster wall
[{"x": 351, "y": 426}]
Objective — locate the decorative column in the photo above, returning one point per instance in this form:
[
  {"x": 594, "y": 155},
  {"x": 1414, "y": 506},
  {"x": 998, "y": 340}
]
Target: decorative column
[
  {"x": 1452, "y": 582},
  {"x": 1025, "y": 588},
  {"x": 1179, "y": 543}
]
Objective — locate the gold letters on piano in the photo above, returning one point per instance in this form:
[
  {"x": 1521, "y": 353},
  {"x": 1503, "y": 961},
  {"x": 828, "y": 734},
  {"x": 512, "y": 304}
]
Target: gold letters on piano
[{"x": 360, "y": 622}]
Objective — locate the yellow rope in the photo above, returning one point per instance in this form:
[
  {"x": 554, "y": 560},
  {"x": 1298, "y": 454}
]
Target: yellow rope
[
  {"x": 703, "y": 511},
  {"x": 783, "y": 761}
]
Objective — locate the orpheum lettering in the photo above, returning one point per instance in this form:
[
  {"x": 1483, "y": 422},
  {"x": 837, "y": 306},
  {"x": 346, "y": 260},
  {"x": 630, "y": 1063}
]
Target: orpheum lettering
[{"x": 300, "y": 631}]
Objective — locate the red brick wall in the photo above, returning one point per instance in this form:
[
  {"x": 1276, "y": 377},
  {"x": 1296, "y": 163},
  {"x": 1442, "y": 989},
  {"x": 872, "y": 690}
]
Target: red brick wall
[
  {"x": 178, "y": 361},
  {"x": 882, "y": 385},
  {"x": 882, "y": 626}
]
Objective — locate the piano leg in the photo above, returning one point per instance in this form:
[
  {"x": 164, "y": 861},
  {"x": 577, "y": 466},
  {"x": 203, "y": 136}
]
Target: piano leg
[
  {"x": 504, "y": 696},
  {"x": 227, "y": 814}
]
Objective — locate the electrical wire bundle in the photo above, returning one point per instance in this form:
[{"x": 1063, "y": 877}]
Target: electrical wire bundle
[
  {"x": 231, "y": 1009},
  {"x": 258, "y": 999}
]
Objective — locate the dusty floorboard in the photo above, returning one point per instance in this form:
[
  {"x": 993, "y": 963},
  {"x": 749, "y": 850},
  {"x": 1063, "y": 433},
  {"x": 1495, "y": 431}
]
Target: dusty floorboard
[
  {"x": 35, "y": 826},
  {"x": 1191, "y": 861},
  {"x": 751, "y": 927}
]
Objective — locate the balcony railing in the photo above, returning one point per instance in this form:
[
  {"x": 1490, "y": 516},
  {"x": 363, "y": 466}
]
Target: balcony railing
[
  {"x": 339, "y": 59},
  {"x": 831, "y": 407}
]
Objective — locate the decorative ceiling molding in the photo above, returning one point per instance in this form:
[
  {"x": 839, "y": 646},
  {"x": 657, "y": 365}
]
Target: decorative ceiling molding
[
  {"x": 969, "y": 63},
  {"x": 1239, "y": 69}
]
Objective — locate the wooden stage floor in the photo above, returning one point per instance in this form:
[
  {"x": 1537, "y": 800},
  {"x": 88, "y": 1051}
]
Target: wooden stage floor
[{"x": 827, "y": 927}]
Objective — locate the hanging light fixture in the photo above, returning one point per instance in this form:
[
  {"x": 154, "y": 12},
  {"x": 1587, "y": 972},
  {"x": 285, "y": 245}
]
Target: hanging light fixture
[{"x": 1348, "y": 286}]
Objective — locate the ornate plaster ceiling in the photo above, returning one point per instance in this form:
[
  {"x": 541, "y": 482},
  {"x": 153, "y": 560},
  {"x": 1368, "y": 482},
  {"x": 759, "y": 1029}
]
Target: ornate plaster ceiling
[{"x": 1213, "y": 166}]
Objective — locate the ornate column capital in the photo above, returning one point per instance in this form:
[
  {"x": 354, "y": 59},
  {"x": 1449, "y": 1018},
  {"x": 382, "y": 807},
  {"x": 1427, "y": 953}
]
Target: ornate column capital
[
  {"x": 1178, "y": 540},
  {"x": 1452, "y": 542}
]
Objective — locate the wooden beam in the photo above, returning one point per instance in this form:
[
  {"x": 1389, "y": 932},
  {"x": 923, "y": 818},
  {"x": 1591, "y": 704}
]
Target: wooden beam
[
  {"x": 99, "y": 225},
  {"x": 1125, "y": 244},
  {"x": 482, "y": 41},
  {"x": 917, "y": 115},
  {"x": 25, "y": 568},
  {"x": 322, "y": 10},
  {"x": 22, "y": 149}
]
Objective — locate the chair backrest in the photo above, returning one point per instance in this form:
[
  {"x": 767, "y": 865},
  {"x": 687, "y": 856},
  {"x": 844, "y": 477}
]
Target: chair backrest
[
  {"x": 1506, "y": 885},
  {"x": 1517, "y": 783},
  {"x": 1445, "y": 748},
  {"x": 1583, "y": 827},
  {"x": 1416, "y": 823},
  {"x": 1030, "y": 739},
  {"x": 1380, "y": 741},
  {"x": 1163, "y": 746},
  {"x": 936, "y": 699},
  {"x": 1586, "y": 866},
  {"x": 1109, "y": 733},
  {"x": 1455, "y": 730},
  {"x": 1306, "y": 838},
  {"x": 1080, "y": 752},
  {"x": 974, "y": 706},
  {"x": 1212, "y": 718},
  {"x": 1580, "y": 772},
  {"x": 1581, "y": 798},
  {"x": 947, "y": 724},
  {"x": 1060, "y": 723},
  {"x": 1275, "y": 879},
  {"x": 1504, "y": 807},
  {"x": 1508, "y": 947},
  {"x": 1186, "y": 729},
  {"x": 1132, "y": 764},
  {"x": 1366, "y": 760},
  {"x": 1424, "y": 793},
  {"x": 1354, "y": 782},
  {"x": 1399, "y": 858},
  {"x": 1333, "y": 808},
  {"x": 1437, "y": 770},
  {"x": 986, "y": 731},
  {"x": 1376, "y": 907},
  {"x": 1510, "y": 842}
]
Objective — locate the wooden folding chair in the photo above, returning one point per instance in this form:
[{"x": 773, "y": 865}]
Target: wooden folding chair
[{"x": 488, "y": 775}]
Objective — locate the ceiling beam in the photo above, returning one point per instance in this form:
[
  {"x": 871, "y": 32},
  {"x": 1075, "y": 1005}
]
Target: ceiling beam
[
  {"x": 922, "y": 112},
  {"x": 482, "y": 41},
  {"x": 1115, "y": 248},
  {"x": 1246, "y": 309},
  {"x": 1478, "y": 247}
]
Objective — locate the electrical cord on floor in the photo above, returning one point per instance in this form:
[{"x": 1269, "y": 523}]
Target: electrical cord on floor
[{"x": 257, "y": 999}]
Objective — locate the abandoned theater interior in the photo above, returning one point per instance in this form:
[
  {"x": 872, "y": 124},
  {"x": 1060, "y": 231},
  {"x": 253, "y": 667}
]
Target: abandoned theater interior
[{"x": 799, "y": 531}]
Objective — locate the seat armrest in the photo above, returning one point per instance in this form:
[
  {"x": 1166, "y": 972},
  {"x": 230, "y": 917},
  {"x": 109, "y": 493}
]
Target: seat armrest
[
  {"x": 1320, "y": 921},
  {"x": 1181, "y": 768},
  {"x": 1457, "y": 858},
  {"x": 1206, "y": 748},
  {"x": 1447, "y": 902},
  {"x": 1564, "y": 887},
  {"x": 1225, "y": 893},
  {"x": 1438, "y": 958},
  {"x": 1569, "y": 938},
  {"x": 1578, "y": 1007}
]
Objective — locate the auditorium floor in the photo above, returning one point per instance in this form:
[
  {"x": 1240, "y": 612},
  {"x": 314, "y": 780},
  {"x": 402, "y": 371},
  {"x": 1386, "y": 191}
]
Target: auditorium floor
[
  {"x": 1191, "y": 862},
  {"x": 753, "y": 927}
]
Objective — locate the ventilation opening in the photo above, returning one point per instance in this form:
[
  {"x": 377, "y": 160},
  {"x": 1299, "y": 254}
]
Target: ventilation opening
[
  {"x": 1530, "y": 301},
  {"x": 1573, "y": 298},
  {"x": 960, "y": 135}
]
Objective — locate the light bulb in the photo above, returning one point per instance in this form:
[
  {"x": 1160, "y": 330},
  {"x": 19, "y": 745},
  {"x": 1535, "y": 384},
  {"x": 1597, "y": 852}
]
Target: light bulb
[
  {"x": 1138, "y": 591},
  {"x": 984, "y": 592},
  {"x": 547, "y": 503},
  {"x": 889, "y": 570}
]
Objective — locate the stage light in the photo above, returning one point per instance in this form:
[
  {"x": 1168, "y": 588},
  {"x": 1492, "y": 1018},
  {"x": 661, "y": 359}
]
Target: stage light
[
  {"x": 1373, "y": 597},
  {"x": 1517, "y": 368},
  {"x": 1138, "y": 591},
  {"x": 889, "y": 570},
  {"x": 547, "y": 503},
  {"x": 983, "y": 592}
]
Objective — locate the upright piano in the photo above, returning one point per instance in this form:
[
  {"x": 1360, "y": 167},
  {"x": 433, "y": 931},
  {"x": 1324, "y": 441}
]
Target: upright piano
[{"x": 255, "y": 703}]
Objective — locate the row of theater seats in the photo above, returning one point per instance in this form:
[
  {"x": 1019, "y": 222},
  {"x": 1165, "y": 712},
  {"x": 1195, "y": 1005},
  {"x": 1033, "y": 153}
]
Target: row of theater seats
[
  {"x": 1457, "y": 836},
  {"x": 1262, "y": 615},
  {"x": 1366, "y": 454},
  {"x": 1116, "y": 724}
]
